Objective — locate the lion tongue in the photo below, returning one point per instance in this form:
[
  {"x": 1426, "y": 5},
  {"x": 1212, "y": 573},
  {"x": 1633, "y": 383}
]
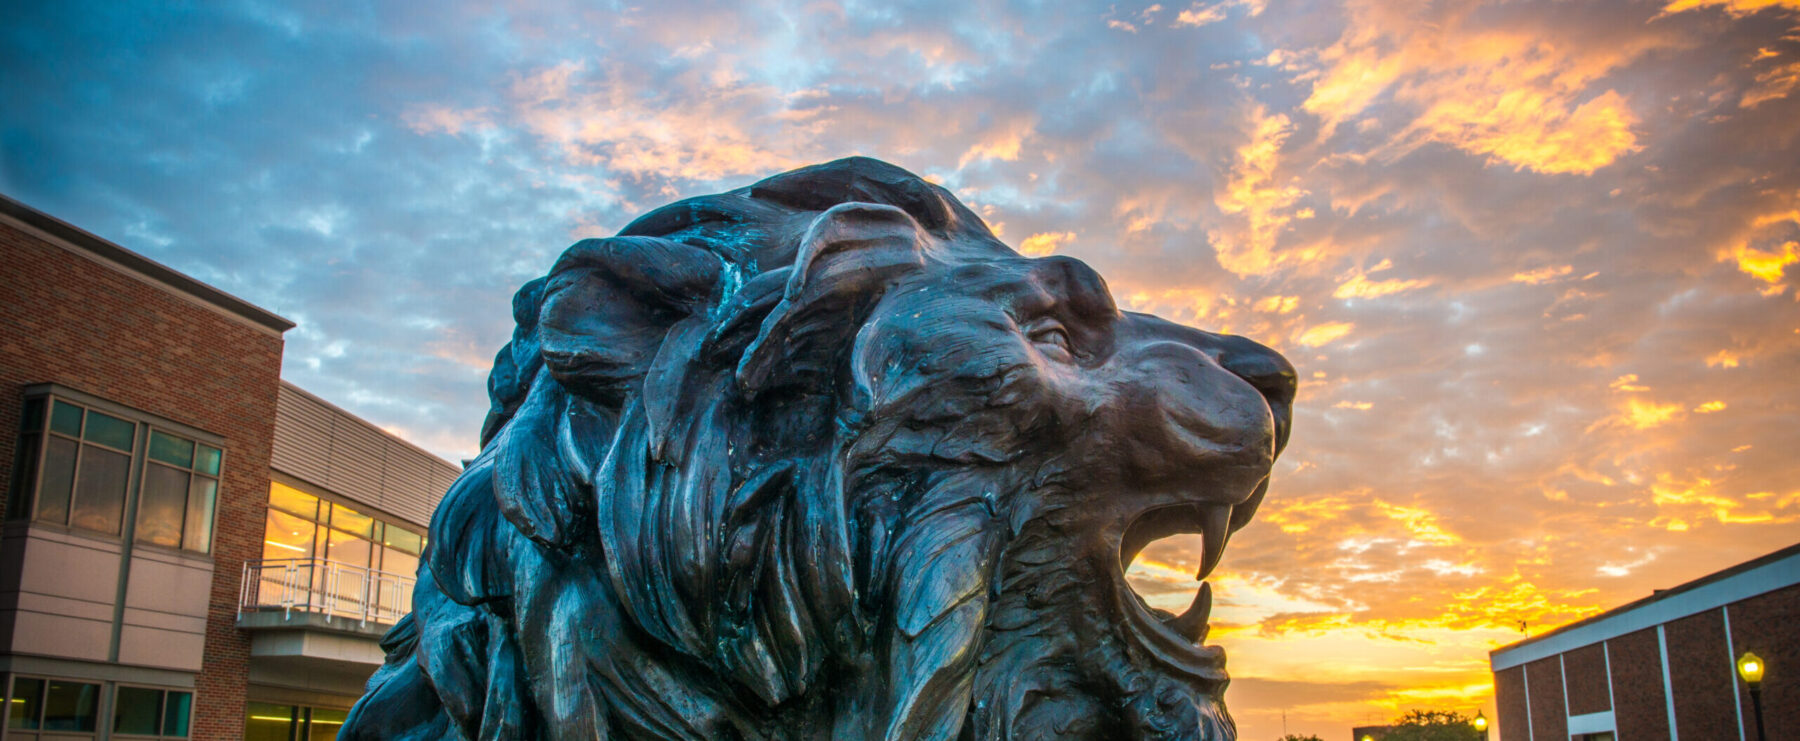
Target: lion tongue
[{"x": 1192, "y": 624}]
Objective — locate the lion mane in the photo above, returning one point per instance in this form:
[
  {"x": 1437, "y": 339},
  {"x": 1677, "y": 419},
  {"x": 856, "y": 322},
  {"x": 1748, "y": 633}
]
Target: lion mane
[{"x": 822, "y": 458}]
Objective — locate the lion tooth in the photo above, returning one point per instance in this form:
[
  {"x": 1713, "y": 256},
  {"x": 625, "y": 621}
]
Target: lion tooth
[
  {"x": 1192, "y": 624},
  {"x": 1215, "y": 524}
]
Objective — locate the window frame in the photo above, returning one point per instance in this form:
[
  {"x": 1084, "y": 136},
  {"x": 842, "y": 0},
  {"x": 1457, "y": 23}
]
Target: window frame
[
  {"x": 29, "y": 486},
  {"x": 145, "y": 461},
  {"x": 102, "y": 706},
  {"x": 162, "y": 710}
]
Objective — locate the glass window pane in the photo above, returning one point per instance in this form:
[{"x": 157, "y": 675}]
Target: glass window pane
[
  {"x": 100, "y": 489},
  {"x": 31, "y": 418},
  {"x": 287, "y": 536},
  {"x": 161, "y": 504},
  {"x": 24, "y": 476},
  {"x": 291, "y": 500},
  {"x": 66, "y": 418},
  {"x": 349, "y": 549},
  {"x": 398, "y": 562},
  {"x": 27, "y": 703},
  {"x": 398, "y": 537},
  {"x": 70, "y": 706},
  {"x": 200, "y": 514},
  {"x": 207, "y": 460},
  {"x": 172, "y": 450},
  {"x": 325, "y": 724},
  {"x": 349, "y": 520},
  {"x": 108, "y": 430},
  {"x": 135, "y": 710},
  {"x": 58, "y": 481},
  {"x": 266, "y": 722},
  {"x": 175, "y": 714}
]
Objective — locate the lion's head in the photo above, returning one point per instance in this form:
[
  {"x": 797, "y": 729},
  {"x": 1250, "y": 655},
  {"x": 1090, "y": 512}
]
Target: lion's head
[{"x": 822, "y": 458}]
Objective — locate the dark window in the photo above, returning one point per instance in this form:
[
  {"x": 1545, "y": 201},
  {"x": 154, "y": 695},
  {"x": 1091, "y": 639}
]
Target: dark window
[
  {"x": 145, "y": 711},
  {"x": 70, "y": 706},
  {"x": 27, "y": 706}
]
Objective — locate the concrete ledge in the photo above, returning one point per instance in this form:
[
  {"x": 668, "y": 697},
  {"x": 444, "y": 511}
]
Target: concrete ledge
[{"x": 310, "y": 621}]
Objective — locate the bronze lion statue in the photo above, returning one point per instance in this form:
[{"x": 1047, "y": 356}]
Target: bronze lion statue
[{"x": 821, "y": 458}]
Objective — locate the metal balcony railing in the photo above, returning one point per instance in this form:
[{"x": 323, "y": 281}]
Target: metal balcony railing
[{"x": 320, "y": 586}]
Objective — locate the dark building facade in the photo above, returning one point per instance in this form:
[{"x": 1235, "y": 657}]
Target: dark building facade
[
  {"x": 1663, "y": 667},
  {"x": 145, "y": 439}
]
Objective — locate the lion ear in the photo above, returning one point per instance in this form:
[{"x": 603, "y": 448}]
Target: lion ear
[
  {"x": 850, "y": 255},
  {"x": 608, "y": 304}
]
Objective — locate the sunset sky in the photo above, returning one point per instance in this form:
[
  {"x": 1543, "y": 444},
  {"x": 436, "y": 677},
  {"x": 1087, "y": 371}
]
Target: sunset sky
[{"x": 1535, "y": 261}]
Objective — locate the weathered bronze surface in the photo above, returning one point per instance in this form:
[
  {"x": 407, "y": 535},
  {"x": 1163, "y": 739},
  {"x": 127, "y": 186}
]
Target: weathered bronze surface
[{"x": 820, "y": 458}]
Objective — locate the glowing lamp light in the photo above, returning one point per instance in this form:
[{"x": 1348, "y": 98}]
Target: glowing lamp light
[
  {"x": 1480, "y": 721},
  {"x": 1750, "y": 667}
]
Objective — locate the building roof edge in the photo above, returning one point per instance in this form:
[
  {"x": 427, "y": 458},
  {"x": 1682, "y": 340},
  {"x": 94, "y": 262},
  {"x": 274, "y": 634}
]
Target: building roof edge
[{"x": 85, "y": 240}]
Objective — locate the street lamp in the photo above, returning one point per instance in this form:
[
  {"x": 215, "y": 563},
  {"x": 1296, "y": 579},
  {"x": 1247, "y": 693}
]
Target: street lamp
[
  {"x": 1481, "y": 724},
  {"x": 1750, "y": 667}
]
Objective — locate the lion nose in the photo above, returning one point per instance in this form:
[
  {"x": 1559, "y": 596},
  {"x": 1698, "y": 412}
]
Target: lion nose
[{"x": 1265, "y": 370}]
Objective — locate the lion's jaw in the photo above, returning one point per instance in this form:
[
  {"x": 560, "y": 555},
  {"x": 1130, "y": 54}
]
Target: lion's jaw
[{"x": 1070, "y": 647}]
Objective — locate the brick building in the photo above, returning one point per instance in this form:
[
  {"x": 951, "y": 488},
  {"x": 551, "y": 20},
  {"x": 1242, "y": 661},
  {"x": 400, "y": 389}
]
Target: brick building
[
  {"x": 192, "y": 548},
  {"x": 1663, "y": 667}
]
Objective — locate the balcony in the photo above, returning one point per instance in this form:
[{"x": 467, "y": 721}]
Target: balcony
[
  {"x": 316, "y": 624},
  {"x": 336, "y": 595}
]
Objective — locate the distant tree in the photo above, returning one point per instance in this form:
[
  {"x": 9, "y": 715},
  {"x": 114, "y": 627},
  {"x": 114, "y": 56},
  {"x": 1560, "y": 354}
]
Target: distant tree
[
  {"x": 1433, "y": 725},
  {"x": 1298, "y": 737}
]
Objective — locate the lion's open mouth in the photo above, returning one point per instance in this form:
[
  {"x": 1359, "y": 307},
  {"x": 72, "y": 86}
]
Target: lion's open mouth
[{"x": 1174, "y": 639}]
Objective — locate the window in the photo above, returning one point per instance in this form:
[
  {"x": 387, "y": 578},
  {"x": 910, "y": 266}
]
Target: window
[
  {"x": 302, "y": 526},
  {"x": 83, "y": 468},
  {"x": 152, "y": 713},
  {"x": 63, "y": 708},
  {"x": 330, "y": 549},
  {"x": 75, "y": 463},
  {"x": 269, "y": 722},
  {"x": 181, "y": 486}
]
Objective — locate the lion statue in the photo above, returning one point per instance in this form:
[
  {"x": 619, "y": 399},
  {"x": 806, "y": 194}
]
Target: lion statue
[{"x": 821, "y": 458}]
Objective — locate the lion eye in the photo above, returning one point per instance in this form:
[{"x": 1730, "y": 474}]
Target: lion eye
[{"x": 1055, "y": 336}]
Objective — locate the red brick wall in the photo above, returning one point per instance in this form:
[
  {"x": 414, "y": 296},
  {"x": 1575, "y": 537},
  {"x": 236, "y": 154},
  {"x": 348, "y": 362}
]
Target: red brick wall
[
  {"x": 1509, "y": 704},
  {"x": 1641, "y": 707},
  {"x": 1585, "y": 669},
  {"x": 65, "y": 319},
  {"x": 1700, "y": 672},
  {"x": 1768, "y": 625},
  {"x": 1543, "y": 682}
]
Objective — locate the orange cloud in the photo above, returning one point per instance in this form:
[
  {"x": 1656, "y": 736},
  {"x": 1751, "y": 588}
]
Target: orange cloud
[
  {"x": 1771, "y": 84},
  {"x": 1045, "y": 243},
  {"x": 729, "y": 128},
  {"x": 1639, "y": 414},
  {"x": 1359, "y": 286},
  {"x": 1733, "y": 7},
  {"x": 1710, "y": 407},
  {"x": 1722, "y": 359},
  {"x": 1323, "y": 334},
  {"x": 1258, "y": 193},
  {"x": 1543, "y": 274},
  {"x": 1516, "y": 97},
  {"x": 1277, "y": 304},
  {"x": 1768, "y": 267}
]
